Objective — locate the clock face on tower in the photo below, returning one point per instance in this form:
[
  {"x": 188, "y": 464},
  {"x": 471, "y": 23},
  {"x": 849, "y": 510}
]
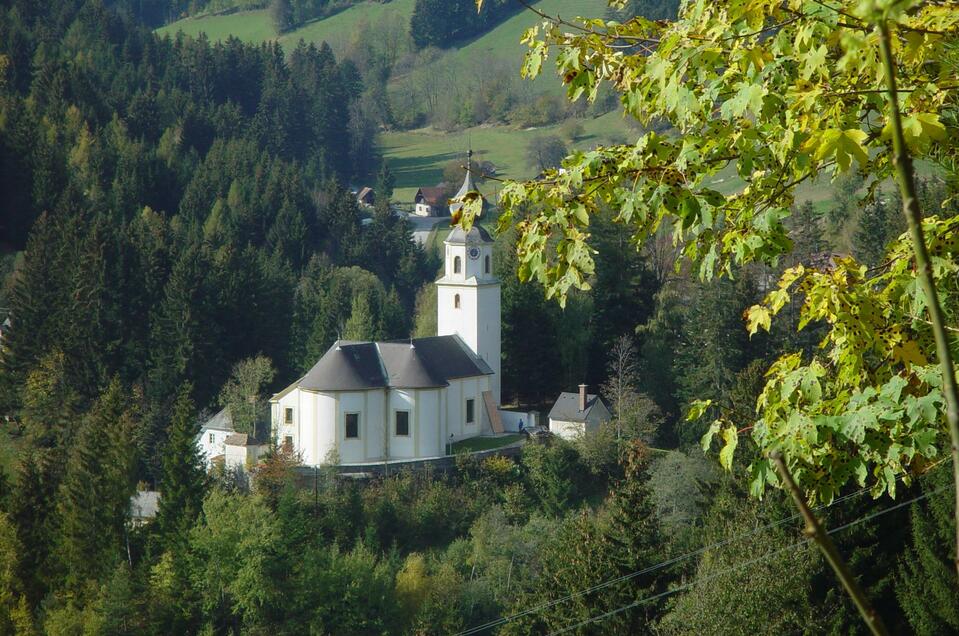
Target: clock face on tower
[{"x": 473, "y": 252}]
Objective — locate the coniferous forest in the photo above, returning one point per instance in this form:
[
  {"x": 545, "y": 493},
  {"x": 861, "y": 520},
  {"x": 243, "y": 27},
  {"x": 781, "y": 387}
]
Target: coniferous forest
[{"x": 178, "y": 234}]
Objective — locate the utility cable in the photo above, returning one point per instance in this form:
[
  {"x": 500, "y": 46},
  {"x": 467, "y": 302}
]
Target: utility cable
[
  {"x": 719, "y": 544},
  {"x": 652, "y": 568},
  {"x": 765, "y": 556}
]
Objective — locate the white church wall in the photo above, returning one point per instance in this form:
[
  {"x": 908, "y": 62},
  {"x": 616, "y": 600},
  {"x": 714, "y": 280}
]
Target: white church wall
[
  {"x": 429, "y": 438},
  {"x": 369, "y": 406},
  {"x": 314, "y": 430},
  {"x": 489, "y": 335},
  {"x": 402, "y": 446},
  {"x": 456, "y": 395}
]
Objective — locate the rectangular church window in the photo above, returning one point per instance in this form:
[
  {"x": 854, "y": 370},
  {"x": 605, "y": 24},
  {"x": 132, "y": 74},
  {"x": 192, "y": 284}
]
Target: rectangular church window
[
  {"x": 352, "y": 425},
  {"x": 402, "y": 423},
  {"x": 469, "y": 411},
  {"x": 288, "y": 416}
]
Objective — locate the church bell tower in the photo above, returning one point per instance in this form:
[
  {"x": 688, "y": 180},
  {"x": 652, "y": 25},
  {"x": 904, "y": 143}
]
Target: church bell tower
[{"x": 468, "y": 294}]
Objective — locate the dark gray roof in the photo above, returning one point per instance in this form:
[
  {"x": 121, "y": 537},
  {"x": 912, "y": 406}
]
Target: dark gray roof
[
  {"x": 406, "y": 368},
  {"x": 477, "y": 234},
  {"x": 401, "y": 364},
  {"x": 346, "y": 366},
  {"x": 448, "y": 357},
  {"x": 566, "y": 408},
  {"x": 219, "y": 422},
  {"x": 468, "y": 186}
]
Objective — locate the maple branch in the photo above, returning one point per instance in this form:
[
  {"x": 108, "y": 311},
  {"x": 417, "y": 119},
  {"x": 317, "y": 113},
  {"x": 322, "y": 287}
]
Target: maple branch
[{"x": 905, "y": 175}]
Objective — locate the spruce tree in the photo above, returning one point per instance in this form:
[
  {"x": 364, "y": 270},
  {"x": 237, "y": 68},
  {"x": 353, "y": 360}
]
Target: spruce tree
[
  {"x": 35, "y": 299},
  {"x": 183, "y": 480},
  {"x": 927, "y": 588},
  {"x": 94, "y": 497}
]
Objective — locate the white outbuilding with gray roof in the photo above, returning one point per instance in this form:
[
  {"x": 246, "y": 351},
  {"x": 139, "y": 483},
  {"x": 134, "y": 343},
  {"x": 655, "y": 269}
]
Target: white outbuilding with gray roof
[{"x": 576, "y": 414}]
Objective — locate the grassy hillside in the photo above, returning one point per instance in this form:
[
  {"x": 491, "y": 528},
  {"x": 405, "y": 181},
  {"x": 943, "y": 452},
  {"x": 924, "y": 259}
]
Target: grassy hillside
[
  {"x": 256, "y": 26},
  {"x": 417, "y": 157}
]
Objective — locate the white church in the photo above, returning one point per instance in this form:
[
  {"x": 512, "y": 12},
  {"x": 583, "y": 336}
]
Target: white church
[{"x": 407, "y": 399}]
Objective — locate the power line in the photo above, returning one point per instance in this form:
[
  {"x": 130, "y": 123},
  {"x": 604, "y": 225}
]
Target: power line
[
  {"x": 652, "y": 568},
  {"x": 765, "y": 556},
  {"x": 668, "y": 562}
]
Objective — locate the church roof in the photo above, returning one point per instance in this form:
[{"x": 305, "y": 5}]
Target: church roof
[
  {"x": 406, "y": 368},
  {"x": 401, "y": 364},
  {"x": 477, "y": 234},
  {"x": 346, "y": 366},
  {"x": 468, "y": 186}
]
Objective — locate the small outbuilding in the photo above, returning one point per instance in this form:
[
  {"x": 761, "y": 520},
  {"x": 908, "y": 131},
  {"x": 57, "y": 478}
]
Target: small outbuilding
[
  {"x": 576, "y": 414},
  {"x": 366, "y": 196},
  {"x": 144, "y": 506},
  {"x": 242, "y": 450}
]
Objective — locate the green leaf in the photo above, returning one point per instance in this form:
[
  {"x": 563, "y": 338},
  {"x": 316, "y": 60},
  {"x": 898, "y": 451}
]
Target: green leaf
[
  {"x": 707, "y": 439},
  {"x": 731, "y": 439}
]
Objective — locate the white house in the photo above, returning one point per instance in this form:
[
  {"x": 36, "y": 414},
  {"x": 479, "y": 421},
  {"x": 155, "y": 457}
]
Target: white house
[
  {"x": 575, "y": 414},
  {"x": 219, "y": 441},
  {"x": 212, "y": 438},
  {"x": 380, "y": 401},
  {"x": 430, "y": 201}
]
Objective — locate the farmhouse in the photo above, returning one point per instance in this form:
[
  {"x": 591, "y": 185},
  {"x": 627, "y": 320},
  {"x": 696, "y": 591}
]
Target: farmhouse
[
  {"x": 430, "y": 201},
  {"x": 575, "y": 414},
  {"x": 406, "y": 399}
]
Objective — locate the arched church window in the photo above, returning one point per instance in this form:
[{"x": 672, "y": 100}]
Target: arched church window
[
  {"x": 456, "y": 301},
  {"x": 486, "y": 264},
  {"x": 456, "y": 265}
]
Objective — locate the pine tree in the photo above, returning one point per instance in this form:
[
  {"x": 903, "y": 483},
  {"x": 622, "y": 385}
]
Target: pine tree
[
  {"x": 385, "y": 182},
  {"x": 879, "y": 223},
  {"x": 928, "y": 588},
  {"x": 35, "y": 300},
  {"x": 362, "y": 323},
  {"x": 183, "y": 481},
  {"x": 94, "y": 497},
  {"x": 632, "y": 534}
]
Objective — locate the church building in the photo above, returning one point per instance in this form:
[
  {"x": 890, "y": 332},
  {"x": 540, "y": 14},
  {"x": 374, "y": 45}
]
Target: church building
[{"x": 406, "y": 399}]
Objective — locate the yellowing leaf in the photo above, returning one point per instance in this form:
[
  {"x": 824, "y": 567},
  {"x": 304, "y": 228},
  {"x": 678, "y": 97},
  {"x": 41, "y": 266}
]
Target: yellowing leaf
[
  {"x": 757, "y": 316},
  {"x": 909, "y": 353},
  {"x": 731, "y": 439}
]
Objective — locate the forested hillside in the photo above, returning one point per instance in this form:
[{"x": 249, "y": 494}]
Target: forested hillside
[{"x": 180, "y": 209}]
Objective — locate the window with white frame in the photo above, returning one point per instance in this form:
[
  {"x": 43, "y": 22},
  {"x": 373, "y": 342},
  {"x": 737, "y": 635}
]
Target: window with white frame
[{"x": 288, "y": 415}]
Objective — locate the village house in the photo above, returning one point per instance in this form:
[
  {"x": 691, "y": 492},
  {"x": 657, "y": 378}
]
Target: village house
[
  {"x": 219, "y": 442},
  {"x": 430, "y": 201},
  {"x": 576, "y": 414}
]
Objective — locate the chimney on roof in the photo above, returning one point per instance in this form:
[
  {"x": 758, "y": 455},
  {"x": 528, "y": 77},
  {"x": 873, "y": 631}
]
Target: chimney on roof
[{"x": 582, "y": 397}]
